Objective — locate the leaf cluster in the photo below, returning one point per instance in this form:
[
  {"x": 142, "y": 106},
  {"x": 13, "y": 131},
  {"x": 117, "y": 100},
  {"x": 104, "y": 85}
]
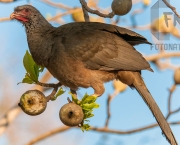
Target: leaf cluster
[
  {"x": 88, "y": 103},
  {"x": 32, "y": 69},
  {"x": 60, "y": 92}
]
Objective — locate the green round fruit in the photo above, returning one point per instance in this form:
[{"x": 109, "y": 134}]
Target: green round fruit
[
  {"x": 121, "y": 7},
  {"x": 71, "y": 114},
  {"x": 33, "y": 102}
]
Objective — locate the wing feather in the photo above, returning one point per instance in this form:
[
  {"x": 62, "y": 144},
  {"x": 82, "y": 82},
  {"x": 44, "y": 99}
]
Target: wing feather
[{"x": 104, "y": 47}]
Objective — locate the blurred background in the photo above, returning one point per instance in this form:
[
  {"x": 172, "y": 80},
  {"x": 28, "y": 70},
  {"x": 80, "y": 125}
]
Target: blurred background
[{"x": 128, "y": 111}]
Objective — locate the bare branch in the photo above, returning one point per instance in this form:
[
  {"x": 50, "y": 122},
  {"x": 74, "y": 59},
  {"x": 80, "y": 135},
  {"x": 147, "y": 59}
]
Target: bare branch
[
  {"x": 165, "y": 65},
  {"x": 59, "y": 5},
  {"x": 171, "y": 7},
  {"x": 48, "y": 134},
  {"x": 162, "y": 55},
  {"x": 136, "y": 1},
  {"x": 64, "y": 14},
  {"x": 12, "y": 113},
  {"x": 86, "y": 16},
  {"x": 170, "y": 112},
  {"x": 49, "y": 97},
  {"x": 84, "y": 4},
  {"x": 104, "y": 130},
  {"x": 110, "y": 98},
  {"x": 108, "y": 111},
  {"x": 49, "y": 85},
  {"x": 7, "y": 1},
  {"x": 4, "y": 19},
  {"x": 8, "y": 118}
]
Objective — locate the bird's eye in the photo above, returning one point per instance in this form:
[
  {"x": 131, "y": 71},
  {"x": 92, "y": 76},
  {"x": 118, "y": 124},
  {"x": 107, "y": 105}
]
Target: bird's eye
[{"x": 26, "y": 10}]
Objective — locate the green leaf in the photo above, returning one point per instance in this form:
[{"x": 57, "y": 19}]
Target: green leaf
[
  {"x": 84, "y": 98},
  {"x": 36, "y": 70},
  {"x": 75, "y": 100},
  {"x": 87, "y": 104},
  {"x": 87, "y": 120},
  {"x": 27, "y": 80},
  {"x": 29, "y": 65},
  {"x": 85, "y": 127},
  {"x": 41, "y": 68},
  {"x": 32, "y": 68},
  {"x": 60, "y": 92},
  {"x": 89, "y": 100},
  {"x": 90, "y": 106},
  {"x": 88, "y": 114}
]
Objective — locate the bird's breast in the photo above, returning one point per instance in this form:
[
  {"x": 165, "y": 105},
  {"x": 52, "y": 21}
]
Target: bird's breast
[{"x": 68, "y": 71}]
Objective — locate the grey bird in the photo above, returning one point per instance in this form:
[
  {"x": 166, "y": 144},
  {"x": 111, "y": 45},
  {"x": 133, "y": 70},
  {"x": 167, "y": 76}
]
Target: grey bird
[{"x": 87, "y": 54}]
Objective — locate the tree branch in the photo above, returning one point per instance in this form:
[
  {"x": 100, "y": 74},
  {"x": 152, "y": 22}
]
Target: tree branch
[
  {"x": 110, "y": 98},
  {"x": 104, "y": 130},
  {"x": 49, "y": 85},
  {"x": 170, "y": 112},
  {"x": 12, "y": 113},
  {"x": 86, "y": 16},
  {"x": 48, "y": 134},
  {"x": 171, "y": 7},
  {"x": 4, "y": 19},
  {"x": 59, "y": 5},
  {"x": 84, "y": 4},
  {"x": 162, "y": 55}
]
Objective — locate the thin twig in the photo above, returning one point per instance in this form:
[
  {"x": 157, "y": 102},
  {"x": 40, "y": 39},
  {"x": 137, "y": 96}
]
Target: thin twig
[
  {"x": 64, "y": 14},
  {"x": 110, "y": 98},
  {"x": 84, "y": 4},
  {"x": 162, "y": 55},
  {"x": 49, "y": 97},
  {"x": 170, "y": 112},
  {"x": 104, "y": 130},
  {"x": 171, "y": 7},
  {"x": 49, "y": 85},
  {"x": 86, "y": 16},
  {"x": 48, "y": 134},
  {"x": 55, "y": 86},
  {"x": 13, "y": 112},
  {"x": 108, "y": 111},
  {"x": 59, "y": 5},
  {"x": 4, "y": 19}
]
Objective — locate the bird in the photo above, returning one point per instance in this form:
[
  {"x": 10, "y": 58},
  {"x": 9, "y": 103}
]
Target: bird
[{"x": 88, "y": 54}]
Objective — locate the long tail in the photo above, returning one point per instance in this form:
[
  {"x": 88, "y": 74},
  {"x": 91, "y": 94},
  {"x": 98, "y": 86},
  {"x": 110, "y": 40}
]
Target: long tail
[{"x": 147, "y": 97}]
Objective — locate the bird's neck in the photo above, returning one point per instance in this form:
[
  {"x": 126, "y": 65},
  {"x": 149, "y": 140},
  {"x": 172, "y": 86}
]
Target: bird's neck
[
  {"x": 40, "y": 41},
  {"x": 37, "y": 25}
]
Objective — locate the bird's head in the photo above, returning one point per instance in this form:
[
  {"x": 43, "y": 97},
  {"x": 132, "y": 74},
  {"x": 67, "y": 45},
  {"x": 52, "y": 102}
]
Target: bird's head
[
  {"x": 30, "y": 17},
  {"x": 25, "y": 14}
]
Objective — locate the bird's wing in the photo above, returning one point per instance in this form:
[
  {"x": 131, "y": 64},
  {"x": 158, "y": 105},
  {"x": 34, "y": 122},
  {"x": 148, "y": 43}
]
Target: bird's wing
[
  {"x": 98, "y": 47},
  {"x": 131, "y": 37}
]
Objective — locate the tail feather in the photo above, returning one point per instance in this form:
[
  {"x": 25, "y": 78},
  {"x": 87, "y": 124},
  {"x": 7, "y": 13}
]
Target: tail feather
[{"x": 147, "y": 97}]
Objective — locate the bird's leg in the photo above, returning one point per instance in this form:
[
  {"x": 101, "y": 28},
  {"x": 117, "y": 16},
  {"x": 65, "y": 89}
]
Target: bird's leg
[
  {"x": 98, "y": 89},
  {"x": 73, "y": 92}
]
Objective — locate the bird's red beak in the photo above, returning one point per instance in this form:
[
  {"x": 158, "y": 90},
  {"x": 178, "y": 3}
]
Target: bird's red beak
[{"x": 18, "y": 16}]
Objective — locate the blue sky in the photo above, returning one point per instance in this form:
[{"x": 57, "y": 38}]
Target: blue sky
[{"x": 128, "y": 109}]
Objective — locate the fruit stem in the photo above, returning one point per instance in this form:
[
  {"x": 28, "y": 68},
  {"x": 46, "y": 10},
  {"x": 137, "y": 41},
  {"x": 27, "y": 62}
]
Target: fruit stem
[{"x": 49, "y": 97}]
